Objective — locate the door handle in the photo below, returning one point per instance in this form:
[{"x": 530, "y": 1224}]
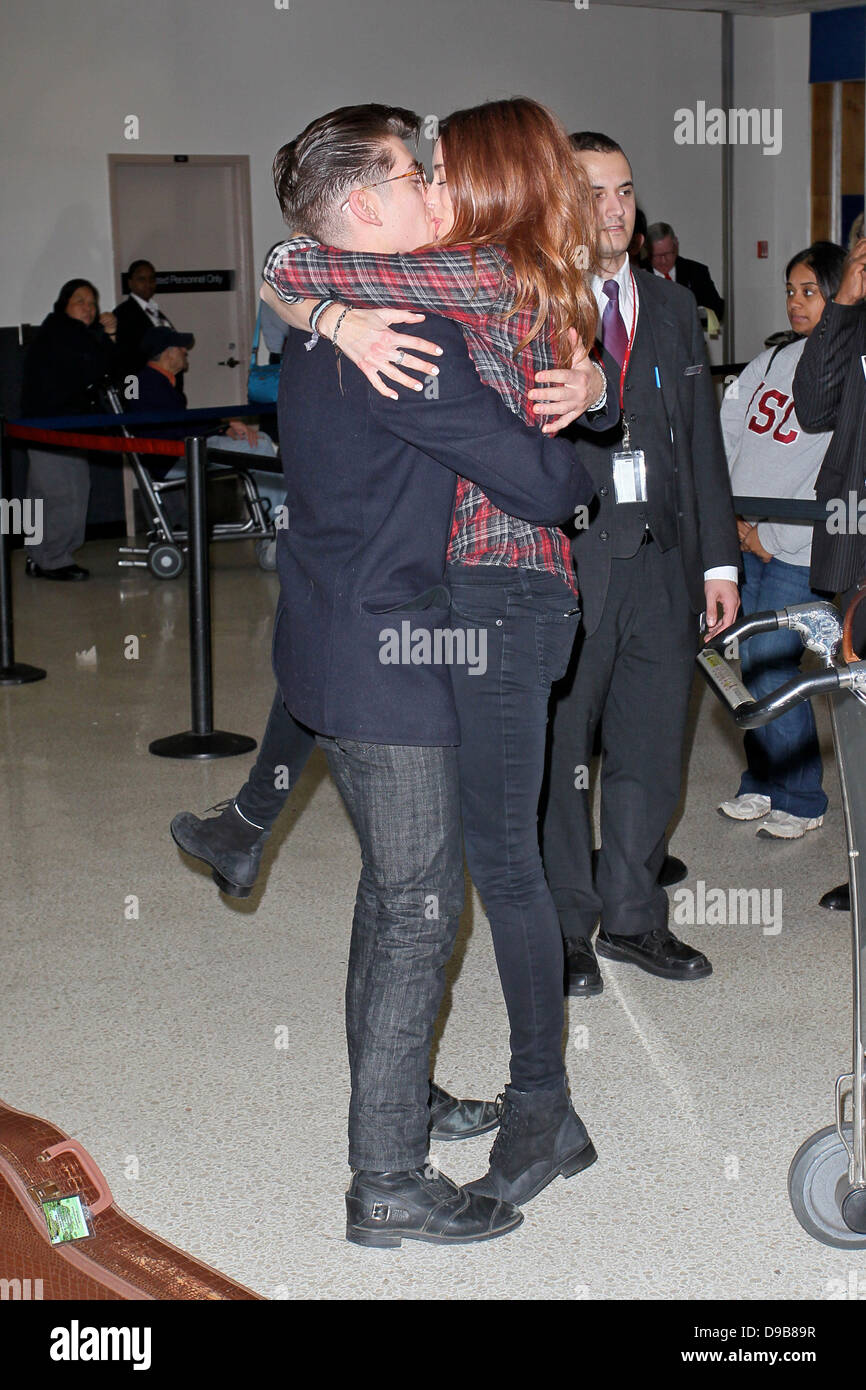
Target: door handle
[{"x": 229, "y": 362}]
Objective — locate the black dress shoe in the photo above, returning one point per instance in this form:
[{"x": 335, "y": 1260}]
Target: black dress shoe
[
  {"x": 384, "y": 1209},
  {"x": 62, "y": 572},
  {"x": 838, "y": 899},
  {"x": 672, "y": 871},
  {"x": 582, "y": 975},
  {"x": 227, "y": 842},
  {"x": 452, "y": 1119},
  {"x": 658, "y": 952}
]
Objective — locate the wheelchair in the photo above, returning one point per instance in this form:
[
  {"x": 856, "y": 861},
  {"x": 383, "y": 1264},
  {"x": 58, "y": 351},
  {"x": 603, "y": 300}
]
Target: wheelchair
[{"x": 165, "y": 552}]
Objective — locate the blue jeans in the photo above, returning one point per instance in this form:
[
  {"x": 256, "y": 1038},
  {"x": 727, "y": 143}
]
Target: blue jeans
[
  {"x": 784, "y": 762},
  {"x": 529, "y": 620},
  {"x": 405, "y": 806}
]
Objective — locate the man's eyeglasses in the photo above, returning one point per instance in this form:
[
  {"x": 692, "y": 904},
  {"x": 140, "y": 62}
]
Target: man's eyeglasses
[{"x": 417, "y": 172}]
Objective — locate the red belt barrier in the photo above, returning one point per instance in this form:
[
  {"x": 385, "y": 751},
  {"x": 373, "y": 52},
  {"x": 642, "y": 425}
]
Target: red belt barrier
[{"x": 111, "y": 444}]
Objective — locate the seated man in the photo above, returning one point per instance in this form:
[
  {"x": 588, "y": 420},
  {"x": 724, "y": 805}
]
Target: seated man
[{"x": 167, "y": 356}]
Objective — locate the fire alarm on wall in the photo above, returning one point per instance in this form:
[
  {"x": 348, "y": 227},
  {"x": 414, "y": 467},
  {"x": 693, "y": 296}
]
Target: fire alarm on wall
[{"x": 763, "y": 250}]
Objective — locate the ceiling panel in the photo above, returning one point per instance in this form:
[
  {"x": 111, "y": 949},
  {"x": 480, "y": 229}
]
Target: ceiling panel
[{"x": 769, "y": 8}]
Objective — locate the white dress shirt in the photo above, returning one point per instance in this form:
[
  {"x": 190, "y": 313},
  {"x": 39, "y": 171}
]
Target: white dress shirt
[
  {"x": 153, "y": 311},
  {"x": 629, "y": 307}
]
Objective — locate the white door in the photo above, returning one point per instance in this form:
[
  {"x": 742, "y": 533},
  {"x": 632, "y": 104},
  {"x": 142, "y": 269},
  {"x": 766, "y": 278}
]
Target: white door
[{"x": 190, "y": 217}]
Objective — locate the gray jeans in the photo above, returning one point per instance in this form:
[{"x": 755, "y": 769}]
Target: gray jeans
[
  {"x": 62, "y": 482},
  {"x": 405, "y": 806}
]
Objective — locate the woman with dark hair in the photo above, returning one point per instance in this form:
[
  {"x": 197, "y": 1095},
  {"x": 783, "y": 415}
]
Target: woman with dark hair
[
  {"x": 71, "y": 354},
  {"x": 769, "y": 455},
  {"x": 512, "y": 217}
]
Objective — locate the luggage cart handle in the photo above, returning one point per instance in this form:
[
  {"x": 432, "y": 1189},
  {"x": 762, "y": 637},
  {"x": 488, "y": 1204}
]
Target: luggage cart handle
[
  {"x": 819, "y": 628},
  {"x": 749, "y": 713}
]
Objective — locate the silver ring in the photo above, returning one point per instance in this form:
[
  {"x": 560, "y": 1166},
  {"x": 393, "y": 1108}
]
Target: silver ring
[{"x": 398, "y": 356}]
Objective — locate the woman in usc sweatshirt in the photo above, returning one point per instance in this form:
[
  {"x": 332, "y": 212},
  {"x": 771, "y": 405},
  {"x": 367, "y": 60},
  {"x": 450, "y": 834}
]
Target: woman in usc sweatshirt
[{"x": 769, "y": 455}]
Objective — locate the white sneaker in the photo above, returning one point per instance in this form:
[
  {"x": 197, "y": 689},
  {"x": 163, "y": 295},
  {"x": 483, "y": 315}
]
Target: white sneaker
[
  {"x": 781, "y": 825},
  {"x": 747, "y": 807}
]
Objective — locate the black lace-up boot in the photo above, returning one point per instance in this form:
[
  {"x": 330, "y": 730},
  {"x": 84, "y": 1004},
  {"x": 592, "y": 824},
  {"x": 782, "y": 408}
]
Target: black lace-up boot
[
  {"x": 540, "y": 1137},
  {"x": 231, "y": 845}
]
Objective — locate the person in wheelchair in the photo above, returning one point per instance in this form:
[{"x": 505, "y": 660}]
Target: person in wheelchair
[{"x": 167, "y": 357}]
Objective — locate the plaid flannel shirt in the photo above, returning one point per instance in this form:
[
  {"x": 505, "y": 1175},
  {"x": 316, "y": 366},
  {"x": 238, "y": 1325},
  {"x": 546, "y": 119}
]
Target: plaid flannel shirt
[{"x": 445, "y": 281}]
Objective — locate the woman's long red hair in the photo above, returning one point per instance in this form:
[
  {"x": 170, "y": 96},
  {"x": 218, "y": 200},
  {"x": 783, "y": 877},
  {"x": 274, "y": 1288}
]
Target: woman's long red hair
[{"x": 514, "y": 181}]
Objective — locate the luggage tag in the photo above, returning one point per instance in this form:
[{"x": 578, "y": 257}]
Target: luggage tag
[
  {"x": 67, "y": 1218},
  {"x": 629, "y": 471}
]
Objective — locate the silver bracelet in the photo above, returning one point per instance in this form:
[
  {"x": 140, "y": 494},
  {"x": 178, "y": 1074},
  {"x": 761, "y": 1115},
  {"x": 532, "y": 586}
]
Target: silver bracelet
[{"x": 602, "y": 400}]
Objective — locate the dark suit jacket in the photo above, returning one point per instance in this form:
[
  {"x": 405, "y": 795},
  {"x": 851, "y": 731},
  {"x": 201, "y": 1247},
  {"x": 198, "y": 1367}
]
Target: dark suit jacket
[
  {"x": 370, "y": 492},
  {"x": 696, "y": 277},
  {"x": 132, "y": 324},
  {"x": 690, "y": 473},
  {"x": 830, "y": 394}
]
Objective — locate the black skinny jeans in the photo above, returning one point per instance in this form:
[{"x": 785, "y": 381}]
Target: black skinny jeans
[{"x": 520, "y": 627}]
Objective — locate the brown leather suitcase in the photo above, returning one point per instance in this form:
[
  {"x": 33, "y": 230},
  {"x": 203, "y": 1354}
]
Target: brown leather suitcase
[{"x": 63, "y": 1237}]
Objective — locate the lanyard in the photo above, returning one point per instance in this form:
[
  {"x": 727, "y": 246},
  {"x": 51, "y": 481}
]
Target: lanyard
[{"x": 625, "y": 361}]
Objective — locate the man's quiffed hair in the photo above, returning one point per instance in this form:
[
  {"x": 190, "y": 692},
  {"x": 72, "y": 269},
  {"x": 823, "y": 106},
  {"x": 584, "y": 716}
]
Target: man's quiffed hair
[
  {"x": 316, "y": 172},
  {"x": 596, "y": 143}
]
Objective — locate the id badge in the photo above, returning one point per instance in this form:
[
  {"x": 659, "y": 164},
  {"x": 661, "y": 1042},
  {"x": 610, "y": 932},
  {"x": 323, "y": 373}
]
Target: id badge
[{"x": 629, "y": 475}]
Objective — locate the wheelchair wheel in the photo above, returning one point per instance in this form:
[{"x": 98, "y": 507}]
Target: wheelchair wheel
[
  {"x": 165, "y": 561},
  {"x": 266, "y": 553},
  {"x": 821, "y": 1195}
]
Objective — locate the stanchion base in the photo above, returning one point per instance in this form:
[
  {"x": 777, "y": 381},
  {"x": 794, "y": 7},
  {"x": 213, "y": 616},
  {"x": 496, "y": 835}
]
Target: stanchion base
[
  {"x": 19, "y": 674},
  {"x": 216, "y": 744}
]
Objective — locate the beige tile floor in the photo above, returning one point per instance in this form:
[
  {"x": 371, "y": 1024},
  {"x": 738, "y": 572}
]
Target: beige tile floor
[{"x": 153, "y": 1039}]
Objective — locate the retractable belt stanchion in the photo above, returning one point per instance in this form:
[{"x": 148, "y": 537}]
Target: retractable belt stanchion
[
  {"x": 202, "y": 740},
  {"x": 12, "y": 672}
]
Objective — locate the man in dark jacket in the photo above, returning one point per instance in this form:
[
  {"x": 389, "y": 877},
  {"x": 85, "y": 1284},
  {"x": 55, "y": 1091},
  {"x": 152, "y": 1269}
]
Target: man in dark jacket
[
  {"x": 136, "y": 315},
  {"x": 830, "y": 394},
  {"x": 660, "y": 549},
  {"x": 663, "y": 250}
]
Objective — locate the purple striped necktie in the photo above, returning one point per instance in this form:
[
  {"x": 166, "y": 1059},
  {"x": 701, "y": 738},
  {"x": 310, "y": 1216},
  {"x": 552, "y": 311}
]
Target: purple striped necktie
[{"x": 613, "y": 334}]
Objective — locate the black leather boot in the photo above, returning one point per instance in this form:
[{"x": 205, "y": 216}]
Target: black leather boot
[
  {"x": 540, "y": 1137},
  {"x": 229, "y": 843},
  {"x": 582, "y": 975},
  {"x": 384, "y": 1209},
  {"x": 452, "y": 1119}
]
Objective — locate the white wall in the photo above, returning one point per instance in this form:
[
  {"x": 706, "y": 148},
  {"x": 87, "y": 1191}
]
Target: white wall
[
  {"x": 771, "y": 201},
  {"x": 218, "y": 77}
]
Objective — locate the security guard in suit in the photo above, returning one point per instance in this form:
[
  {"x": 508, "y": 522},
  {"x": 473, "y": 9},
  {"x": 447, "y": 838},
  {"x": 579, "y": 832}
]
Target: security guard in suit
[{"x": 660, "y": 549}]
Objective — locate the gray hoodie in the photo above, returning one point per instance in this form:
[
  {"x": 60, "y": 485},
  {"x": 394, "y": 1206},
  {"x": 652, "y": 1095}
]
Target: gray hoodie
[{"x": 769, "y": 455}]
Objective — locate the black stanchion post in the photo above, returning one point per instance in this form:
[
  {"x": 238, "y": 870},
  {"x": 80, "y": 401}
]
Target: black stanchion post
[
  {"x": 12, "y": 672},
  {"x": 202, "y": 740}
]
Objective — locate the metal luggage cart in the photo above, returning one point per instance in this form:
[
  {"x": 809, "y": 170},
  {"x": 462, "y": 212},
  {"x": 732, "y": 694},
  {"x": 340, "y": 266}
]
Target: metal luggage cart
[
  {"x": 164, "y": 554},
  {"x": 827, "y": 1177}
]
